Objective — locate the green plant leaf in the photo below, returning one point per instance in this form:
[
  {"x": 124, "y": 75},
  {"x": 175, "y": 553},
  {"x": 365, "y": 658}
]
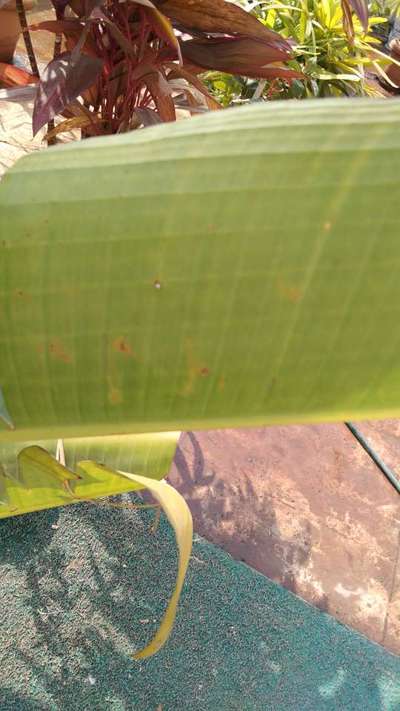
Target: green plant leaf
[
  {"x": 180, "y": 518},
  {"x": 37, "y": 469},
  {"x": 4, "y": 500},
  {"x": 33, "y": 480},
  {"x": 227, "y": 271}
]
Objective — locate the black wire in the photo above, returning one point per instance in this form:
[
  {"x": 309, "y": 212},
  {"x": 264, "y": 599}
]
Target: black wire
[{"x": 389, "y": 474}]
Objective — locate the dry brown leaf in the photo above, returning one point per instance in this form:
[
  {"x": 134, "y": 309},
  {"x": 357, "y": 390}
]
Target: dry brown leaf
[
  {"x": 182, "y": 73},
  {"x": 69, "y": 125},
  {"x": 161, "y": 93}
]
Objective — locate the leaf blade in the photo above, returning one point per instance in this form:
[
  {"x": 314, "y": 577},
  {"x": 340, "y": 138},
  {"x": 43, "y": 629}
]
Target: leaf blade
[
  {"x": 150, "y": 455},
  {"x": 213, "y": 319},
  {"x": 62, "y": 81},
  {"x": 179, "y": 516}
]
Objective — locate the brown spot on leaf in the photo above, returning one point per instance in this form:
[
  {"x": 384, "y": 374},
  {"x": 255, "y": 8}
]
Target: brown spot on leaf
[
  {"x": 289, "y": 292},
  {"x": 58, "y": 351},
  {"x": 194, "y": 369},
  {"x": 114, "y": 393},
  {"x": 115, "y": 396},
  {"x": 121, "y": 345},
  {"x": 22, "y": 294}
]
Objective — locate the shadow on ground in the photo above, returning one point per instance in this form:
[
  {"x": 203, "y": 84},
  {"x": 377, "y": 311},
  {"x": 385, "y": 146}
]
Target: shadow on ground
[
  {"x": 83, "y": 587},
  {"x": 235, "y": 517}
]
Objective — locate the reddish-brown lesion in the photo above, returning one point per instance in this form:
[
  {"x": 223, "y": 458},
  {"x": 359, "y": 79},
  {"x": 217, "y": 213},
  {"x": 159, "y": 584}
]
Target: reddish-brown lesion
[
  {"x": 195, "y": 369},
  {"x": 121, "y": 345},
  {"x": 57, "y": 350},
  {"x": 289, "y": 292}
]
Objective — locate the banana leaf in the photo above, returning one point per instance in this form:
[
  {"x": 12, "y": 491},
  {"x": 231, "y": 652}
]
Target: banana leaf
[
  {"x": 237, "y": 269},
  {"x": 25, "y": 489}
]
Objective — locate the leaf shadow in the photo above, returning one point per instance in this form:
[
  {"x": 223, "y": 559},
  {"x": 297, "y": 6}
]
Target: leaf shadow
[{"x": 235, "y": 517}]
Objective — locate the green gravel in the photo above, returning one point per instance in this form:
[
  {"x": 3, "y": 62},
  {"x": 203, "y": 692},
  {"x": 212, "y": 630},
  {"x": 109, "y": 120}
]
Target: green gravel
[{"x": 83, "y": 587}]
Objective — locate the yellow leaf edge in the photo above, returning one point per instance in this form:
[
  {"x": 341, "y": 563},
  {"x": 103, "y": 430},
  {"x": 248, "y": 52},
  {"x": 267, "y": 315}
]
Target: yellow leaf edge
[{"x": 180, "y": 518}]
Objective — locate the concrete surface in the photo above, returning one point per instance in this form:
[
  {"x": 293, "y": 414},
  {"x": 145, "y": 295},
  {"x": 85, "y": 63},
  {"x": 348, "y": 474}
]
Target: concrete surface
[
  {"x": 81, "y": 588},
  {"x": 307, "y": 507}
]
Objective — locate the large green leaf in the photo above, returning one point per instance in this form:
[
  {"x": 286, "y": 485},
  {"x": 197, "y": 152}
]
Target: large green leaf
[{"x": 239, "y": 268}]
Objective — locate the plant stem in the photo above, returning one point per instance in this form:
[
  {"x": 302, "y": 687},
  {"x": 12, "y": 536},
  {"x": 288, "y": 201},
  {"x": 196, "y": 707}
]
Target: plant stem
[
  {"x": 27, "y": 38},
  {"x": 57, "y": 49},
  {"x": 259, "y": 90}
]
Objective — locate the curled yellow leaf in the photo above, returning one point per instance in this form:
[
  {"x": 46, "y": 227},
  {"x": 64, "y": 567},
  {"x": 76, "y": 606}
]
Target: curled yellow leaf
[{"x": 180, "y": 518}]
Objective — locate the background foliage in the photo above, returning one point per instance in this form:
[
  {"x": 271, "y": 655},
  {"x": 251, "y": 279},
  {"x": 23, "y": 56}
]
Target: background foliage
[{"x": 332, "y": 63}]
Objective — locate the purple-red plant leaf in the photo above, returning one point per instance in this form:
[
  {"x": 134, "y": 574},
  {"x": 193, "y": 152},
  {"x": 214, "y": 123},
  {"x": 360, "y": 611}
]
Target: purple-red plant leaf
[
  {"x": 163, "y": 28},
  {"x": 347, "y": 20},
  {"x": 215, "y": 16},
  {"x": 242, "y": 55},
  {"x": 73, "y": 30},
  {"x": 193, "y": 80},
  {"x": 59, "y": 6},
  {"x": 59, "y": 26},
  {"x": 63, "y": 80},
  {"x": 98, "y": 15},
  {"x": 147, "y": 117},
  {"x": 90, "y": 6},
  {"x": 161, "y": 93}
]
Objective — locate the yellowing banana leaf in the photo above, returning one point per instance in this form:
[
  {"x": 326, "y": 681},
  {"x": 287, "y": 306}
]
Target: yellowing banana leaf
[
  {"x": 31, "y": 479},
  {"x": 237, "y": 269},
  {"x": 180, "y": 518},
  {"x": 3, "y": 488}
]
